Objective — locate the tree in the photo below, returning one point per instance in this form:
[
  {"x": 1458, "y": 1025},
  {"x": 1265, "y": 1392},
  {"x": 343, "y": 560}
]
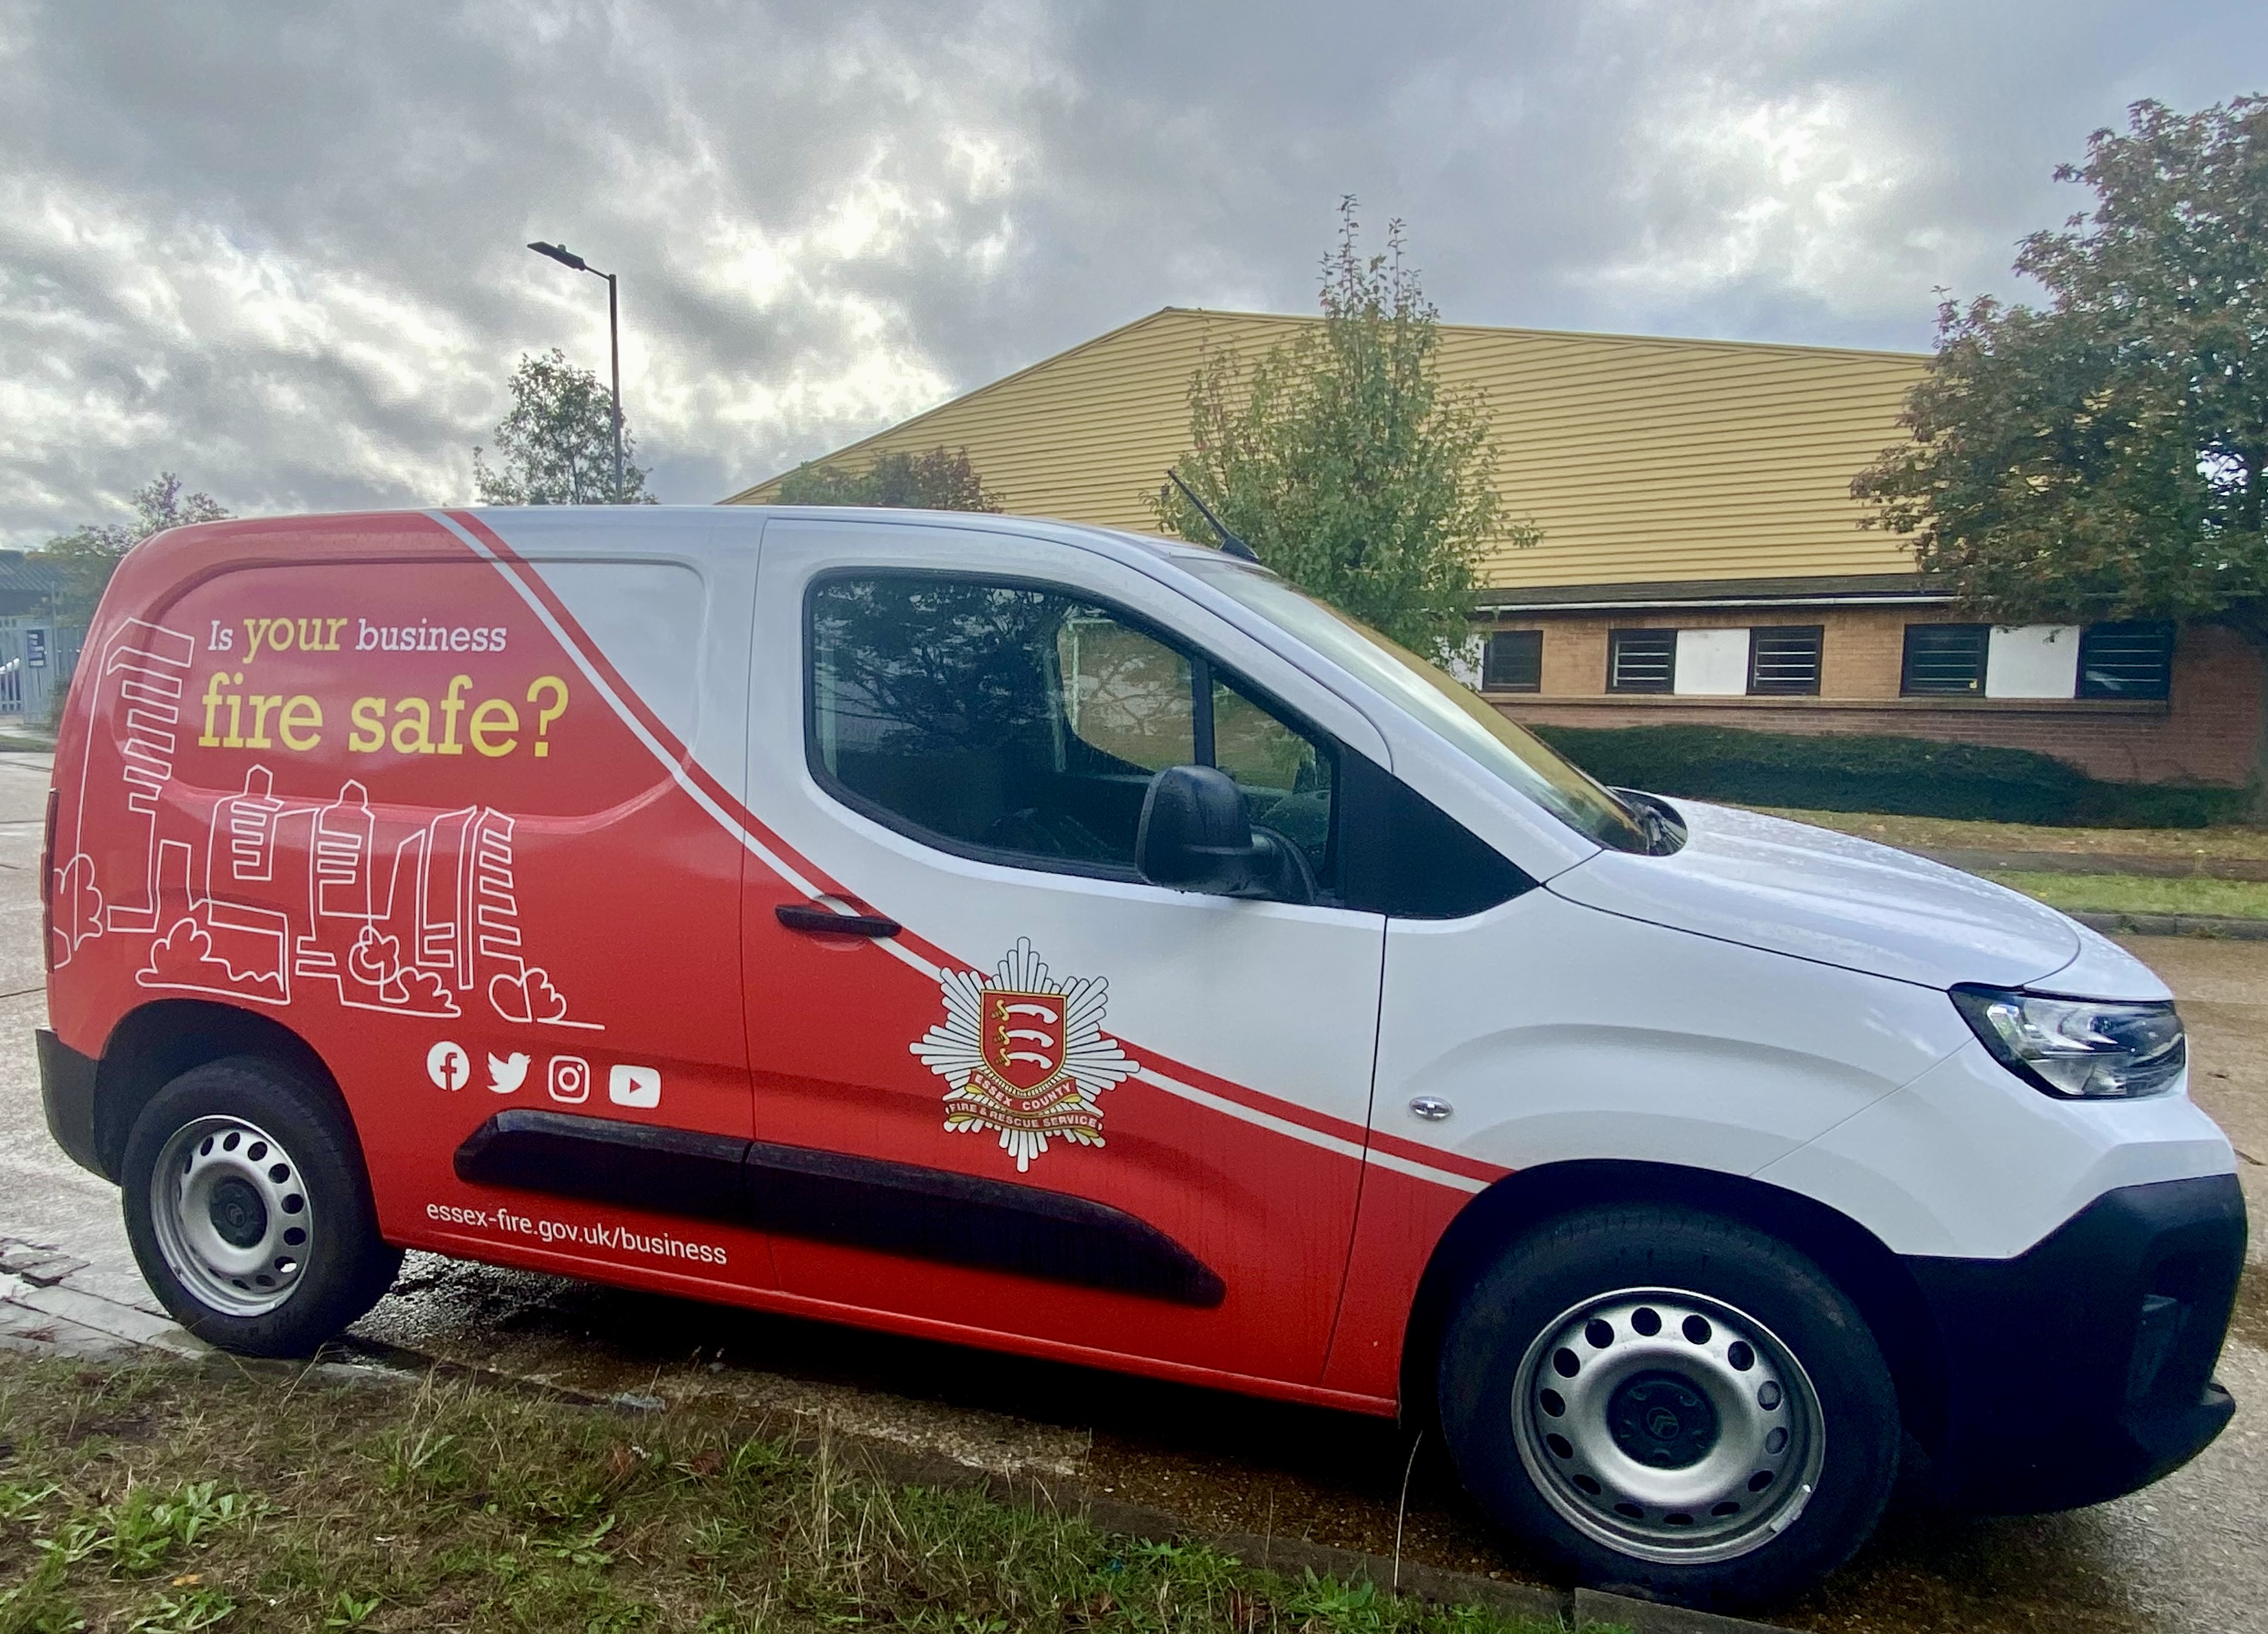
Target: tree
[
  {"x": 89, "y": 555},
  {"x": 1344, "y": 462},
  {"x": 940, "y": 480},
  {"x": 2102, "y": 457},
  {"x": 556, "y": 444}
]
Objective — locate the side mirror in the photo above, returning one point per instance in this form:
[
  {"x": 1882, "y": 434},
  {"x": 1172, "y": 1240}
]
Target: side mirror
[{"x": 1194, "y": 835}]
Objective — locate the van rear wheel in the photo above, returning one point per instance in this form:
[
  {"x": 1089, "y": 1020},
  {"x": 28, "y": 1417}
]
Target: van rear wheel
[
  {"x": 248, "y": 1209},
  {"x": 1670, "y": 1403}
]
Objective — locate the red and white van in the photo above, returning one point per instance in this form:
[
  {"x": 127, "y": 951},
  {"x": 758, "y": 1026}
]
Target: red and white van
[{"x": 1088, "y": 946}]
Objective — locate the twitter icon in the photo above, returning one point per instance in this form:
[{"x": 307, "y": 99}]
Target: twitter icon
[{"x": 507, "y": 1075}]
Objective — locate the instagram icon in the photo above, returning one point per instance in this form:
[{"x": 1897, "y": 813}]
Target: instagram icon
[{"x": 570, "y": 1078}]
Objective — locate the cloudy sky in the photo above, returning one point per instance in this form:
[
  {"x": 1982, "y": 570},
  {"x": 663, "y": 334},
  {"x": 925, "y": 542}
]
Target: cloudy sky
[{"x": 276, "y": 245}]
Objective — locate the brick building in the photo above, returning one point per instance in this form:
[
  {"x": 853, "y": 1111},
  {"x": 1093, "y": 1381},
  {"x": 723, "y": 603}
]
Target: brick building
[{"x": 1702, "y": 559}]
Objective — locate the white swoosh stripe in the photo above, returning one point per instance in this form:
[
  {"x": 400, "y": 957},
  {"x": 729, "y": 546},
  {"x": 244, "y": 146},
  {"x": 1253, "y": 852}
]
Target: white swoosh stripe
[
  {"x": 1344, "y": 1147},
  {"x": 1422, "y": 1172},
  {"x": 669, "y": 763},
  {"x": 763, "y": 854},
  {"x": 1237, "y": 1109}
]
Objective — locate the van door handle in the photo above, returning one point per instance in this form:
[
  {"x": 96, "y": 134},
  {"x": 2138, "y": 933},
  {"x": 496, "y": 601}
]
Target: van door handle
[{"x": 825, "y": 922}]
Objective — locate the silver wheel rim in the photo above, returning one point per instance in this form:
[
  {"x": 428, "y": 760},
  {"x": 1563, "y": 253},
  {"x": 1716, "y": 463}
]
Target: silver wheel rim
[
  {"x": 232, "y": 1216},
  {"x": 1667, "y": 1425}
]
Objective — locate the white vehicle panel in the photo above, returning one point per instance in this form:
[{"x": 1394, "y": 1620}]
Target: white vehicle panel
[
  {"x": 1971, "y": 1162},
  {"x": 1559, "y": 1032},
  {"x": 2103, "y": 970}
]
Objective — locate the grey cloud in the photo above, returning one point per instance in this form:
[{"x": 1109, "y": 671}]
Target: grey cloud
[{"x": 277, "y": 247}]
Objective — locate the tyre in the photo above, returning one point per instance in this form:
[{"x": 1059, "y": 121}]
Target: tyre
[
  {"x": 1672, "y": 1405},
  {"x": 249, "y": 1210}
]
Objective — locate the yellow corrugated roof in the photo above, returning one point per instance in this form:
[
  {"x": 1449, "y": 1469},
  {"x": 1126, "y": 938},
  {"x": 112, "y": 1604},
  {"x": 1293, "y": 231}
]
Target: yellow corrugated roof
[{"x": 1641, "y": 458}]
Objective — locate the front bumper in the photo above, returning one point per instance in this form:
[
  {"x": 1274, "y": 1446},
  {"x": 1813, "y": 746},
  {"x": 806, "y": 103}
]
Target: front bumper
[
  {"x": 2082, "y": 1369},
  {"x": 67, "y": 1096}
]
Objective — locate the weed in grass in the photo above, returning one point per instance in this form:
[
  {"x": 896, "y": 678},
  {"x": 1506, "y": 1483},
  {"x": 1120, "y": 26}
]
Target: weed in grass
[
  {"x": 184, "y": 1613},
  {"x": 584, "y": 1551},
  {"x": 40, "y": 1604},
  {"x": 74, "y": 1542},
  {"x": 22, "y": 1502},
  {"x": 350, "y": 1610},
  {"x": 423, "y": 1462},
  {"x": 143, "y": 1532},
  {"x": 1343, "y": 1605}
]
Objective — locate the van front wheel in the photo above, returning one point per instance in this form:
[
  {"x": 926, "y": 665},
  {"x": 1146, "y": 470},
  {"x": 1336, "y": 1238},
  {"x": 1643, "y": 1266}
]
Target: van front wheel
[
  {"x": 249, "y": 1212},
  {"x": 1672, "y": 1403}
]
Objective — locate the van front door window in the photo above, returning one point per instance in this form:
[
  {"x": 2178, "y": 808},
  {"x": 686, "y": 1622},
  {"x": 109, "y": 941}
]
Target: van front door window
[{"x": 1026, "y": 724}]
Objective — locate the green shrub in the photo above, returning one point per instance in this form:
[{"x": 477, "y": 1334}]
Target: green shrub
[{"x": 1900, "y": 776}]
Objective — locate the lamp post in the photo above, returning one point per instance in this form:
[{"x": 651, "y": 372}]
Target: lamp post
[{"x": 567, "y": 257}]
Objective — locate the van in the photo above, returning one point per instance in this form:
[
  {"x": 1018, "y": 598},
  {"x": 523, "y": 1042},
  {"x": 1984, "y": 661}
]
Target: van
[{"x": 1090, "y": 947}]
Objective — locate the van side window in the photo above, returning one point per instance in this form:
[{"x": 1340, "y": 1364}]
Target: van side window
[{"x": 1023, "y": 725}]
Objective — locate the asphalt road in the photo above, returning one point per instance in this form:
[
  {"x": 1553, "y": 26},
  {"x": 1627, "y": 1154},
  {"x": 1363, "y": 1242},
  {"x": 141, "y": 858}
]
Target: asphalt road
[{"x": 2182, "y": 1557}]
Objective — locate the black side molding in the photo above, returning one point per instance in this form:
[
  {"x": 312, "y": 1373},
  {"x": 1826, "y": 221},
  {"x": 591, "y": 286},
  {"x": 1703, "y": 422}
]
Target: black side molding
[
  {"x": 632, "y": 1166},
  {"x": 865, "y": 1202},
  {"x": 962, "y": 1219}
]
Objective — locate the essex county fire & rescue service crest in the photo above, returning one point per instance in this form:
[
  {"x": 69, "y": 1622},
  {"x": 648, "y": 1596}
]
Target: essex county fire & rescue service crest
[{"x": 1024, "y": 1055}]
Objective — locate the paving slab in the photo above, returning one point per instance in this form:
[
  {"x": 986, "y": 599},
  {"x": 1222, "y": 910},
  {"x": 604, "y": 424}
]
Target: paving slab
[
  {"x": 33, "y": 1333},
  {"x": 126, "y": 1323}
]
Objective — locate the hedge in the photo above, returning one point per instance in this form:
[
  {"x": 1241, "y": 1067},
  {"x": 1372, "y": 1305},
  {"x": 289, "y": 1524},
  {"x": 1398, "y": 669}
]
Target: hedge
[{"x": 1904, "y": 776}]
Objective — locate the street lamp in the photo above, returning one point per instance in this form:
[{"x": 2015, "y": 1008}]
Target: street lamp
[{"x": 567, "y": 257}]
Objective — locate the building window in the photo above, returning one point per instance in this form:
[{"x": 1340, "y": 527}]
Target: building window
[
  {"x": 1784, "y": 661},
  {"x": 1944, "y": 659},
  {"x": 2126, "y": 661},
  {"x": 1514, "y": 661},
  {"x": 1641, "y": 660}
]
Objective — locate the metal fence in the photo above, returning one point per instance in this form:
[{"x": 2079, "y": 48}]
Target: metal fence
[{"x": 37, "y": 657}]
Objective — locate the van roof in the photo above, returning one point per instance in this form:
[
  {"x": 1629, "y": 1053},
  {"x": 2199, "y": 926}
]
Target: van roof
[
  {"x": 985, "y": 521},
  {"x": 1110, "y": 541}
]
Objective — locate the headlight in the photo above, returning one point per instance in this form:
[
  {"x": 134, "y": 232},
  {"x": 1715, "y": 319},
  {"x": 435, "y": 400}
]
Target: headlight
[{"x": 2082, "y": 1049}]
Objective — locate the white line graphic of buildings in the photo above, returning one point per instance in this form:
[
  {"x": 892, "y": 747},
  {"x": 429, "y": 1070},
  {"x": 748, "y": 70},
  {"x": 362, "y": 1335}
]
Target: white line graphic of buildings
[{"x": 414, "y": 927}]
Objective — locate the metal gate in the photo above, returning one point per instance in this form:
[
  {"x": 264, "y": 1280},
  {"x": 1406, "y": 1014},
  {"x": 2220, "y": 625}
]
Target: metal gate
[{"x": 36, "y": 659}]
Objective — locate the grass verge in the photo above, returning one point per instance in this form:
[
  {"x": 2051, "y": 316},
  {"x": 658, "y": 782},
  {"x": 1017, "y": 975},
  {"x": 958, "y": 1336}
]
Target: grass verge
[
  {"x": 169, "y": 1498},
  {"x": 2129, "y": 894},
  {"x": 1953, "y": 834}
]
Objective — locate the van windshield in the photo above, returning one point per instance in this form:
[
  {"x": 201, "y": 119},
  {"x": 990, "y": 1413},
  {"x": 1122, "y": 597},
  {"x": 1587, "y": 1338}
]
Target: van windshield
[{"x": 1438, "y": 699}]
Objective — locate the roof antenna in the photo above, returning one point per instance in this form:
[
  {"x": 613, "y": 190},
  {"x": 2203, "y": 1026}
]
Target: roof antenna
[{"x": 1230, "y": 544}]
